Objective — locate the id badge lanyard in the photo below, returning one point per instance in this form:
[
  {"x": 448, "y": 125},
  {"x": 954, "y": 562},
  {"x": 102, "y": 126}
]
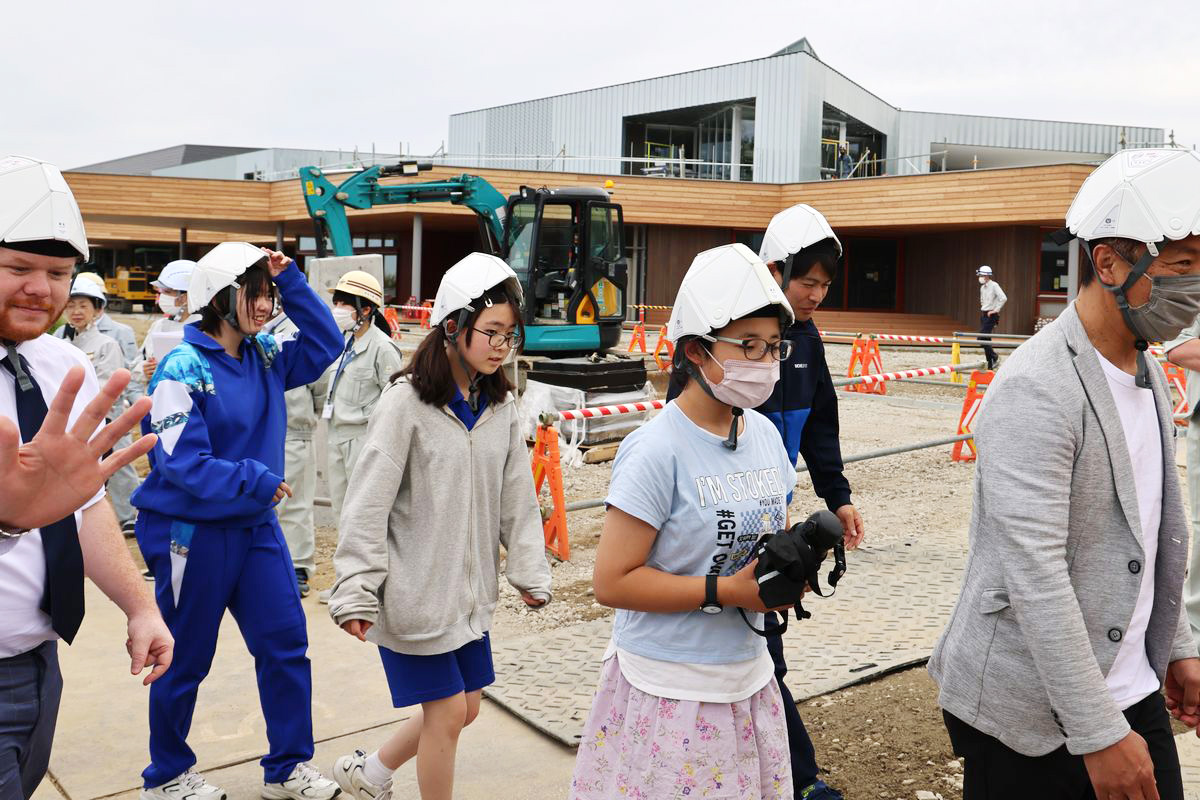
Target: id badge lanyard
[{"x": 347, "y": 356}]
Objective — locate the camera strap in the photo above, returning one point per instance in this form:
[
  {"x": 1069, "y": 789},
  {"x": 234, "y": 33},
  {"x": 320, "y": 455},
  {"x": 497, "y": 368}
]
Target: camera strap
[{"x": 771, "y": 630}]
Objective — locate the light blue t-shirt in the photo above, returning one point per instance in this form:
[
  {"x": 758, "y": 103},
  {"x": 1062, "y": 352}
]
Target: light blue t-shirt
[{"x": 710, "y": 505}]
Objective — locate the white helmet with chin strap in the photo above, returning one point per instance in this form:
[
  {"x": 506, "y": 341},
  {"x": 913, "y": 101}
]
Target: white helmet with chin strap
[
  {"x": 789, "y": 232},
  {"x": 176, "y": 276},
  {"x": 85, "y": 287},
  {"x": 723, "y": 284},
  {"x": 36, "y": 205},
  {"x": 463, "y": 284},
  {"x": 219, "y": 269},
  {"x": 1148, "y": 196}
]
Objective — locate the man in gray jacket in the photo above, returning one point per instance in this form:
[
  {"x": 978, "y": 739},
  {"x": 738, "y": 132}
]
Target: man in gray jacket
[{"x": 1070, "y": 618}]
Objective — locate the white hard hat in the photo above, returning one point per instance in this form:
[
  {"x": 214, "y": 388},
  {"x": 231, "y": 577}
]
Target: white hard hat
[
  {"x": 218, "y": 269},
  {"x": 469, "y": 279},
  {"x": 176, "y": 275},
  {"x": 85, "y": 287},
  {"x": 93, "y": 277},
  {"x": 360, "y": 284},
  {"x": 724, "y": 284},
  {"x": 794, "y": 229},
  {"x": 984, "y": 270},
  {"x": 1145, "y": 195},
  {"x": 37, "y": 205}
]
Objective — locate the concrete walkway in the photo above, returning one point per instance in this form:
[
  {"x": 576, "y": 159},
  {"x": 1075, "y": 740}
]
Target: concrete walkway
[{"x": 100, "y": 748}]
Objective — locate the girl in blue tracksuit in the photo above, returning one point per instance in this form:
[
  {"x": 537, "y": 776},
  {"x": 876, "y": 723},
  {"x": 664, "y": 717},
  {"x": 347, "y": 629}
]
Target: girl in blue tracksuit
[{"x": 207, "y": 524}]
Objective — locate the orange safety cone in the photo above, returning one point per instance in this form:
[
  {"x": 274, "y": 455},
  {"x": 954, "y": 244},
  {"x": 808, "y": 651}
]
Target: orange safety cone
[
  {"x": 1177, "y": 379},
  {"x": 975, "y": 389},
  {"x": 865, "y": 356},
  {"x": 425, "y": 317},
  {"x": 546, "y": 466},
  {"x": 664, "y": 344}
]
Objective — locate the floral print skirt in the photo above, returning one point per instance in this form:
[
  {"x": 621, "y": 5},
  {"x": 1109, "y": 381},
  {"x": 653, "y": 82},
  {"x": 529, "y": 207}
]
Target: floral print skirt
[{"x": 637, "y": 746}]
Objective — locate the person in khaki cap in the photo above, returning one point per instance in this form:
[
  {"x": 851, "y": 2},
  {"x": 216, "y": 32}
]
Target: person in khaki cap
[{"x": 368, "y": 362}]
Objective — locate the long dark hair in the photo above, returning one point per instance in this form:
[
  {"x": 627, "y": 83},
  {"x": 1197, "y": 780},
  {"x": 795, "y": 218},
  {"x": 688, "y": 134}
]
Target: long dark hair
[
  {"x": 354, "y": 301},
  {"x": 255, "y": 281},
  {"x": 429, "y": 369}
]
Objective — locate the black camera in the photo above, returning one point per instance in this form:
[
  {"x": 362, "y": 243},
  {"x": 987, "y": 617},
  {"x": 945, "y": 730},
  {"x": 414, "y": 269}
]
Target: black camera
[{"x": 789, "y": 560}]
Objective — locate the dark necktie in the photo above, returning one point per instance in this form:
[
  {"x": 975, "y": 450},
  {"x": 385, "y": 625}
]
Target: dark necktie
[{"x": 63, "y": 598}]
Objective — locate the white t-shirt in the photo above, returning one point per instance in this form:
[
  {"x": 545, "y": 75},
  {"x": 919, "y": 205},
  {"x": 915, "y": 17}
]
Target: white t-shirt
[
  {"x": 23, "y": 625},
  {"x": 1131, "y": 677}
]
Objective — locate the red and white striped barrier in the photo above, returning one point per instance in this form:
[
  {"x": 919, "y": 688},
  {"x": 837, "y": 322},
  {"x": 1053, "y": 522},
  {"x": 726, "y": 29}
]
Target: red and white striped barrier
[
  {"x": 608, "y": 411},
  {"x": 901, "y": 337},
  {"x": 421, "y": 309},
  {"x": 899, "y": 376}
]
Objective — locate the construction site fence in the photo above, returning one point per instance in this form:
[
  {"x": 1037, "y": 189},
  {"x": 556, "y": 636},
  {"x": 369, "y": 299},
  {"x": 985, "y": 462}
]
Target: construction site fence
[{"x": 907, "y": 374}]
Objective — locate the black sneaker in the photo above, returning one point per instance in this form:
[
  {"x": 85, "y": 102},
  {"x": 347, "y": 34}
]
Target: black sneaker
[
  {"x": 302, "y": 582},
  {"x": 147, "y": 575},
  {"x": 129, "y": 529}
]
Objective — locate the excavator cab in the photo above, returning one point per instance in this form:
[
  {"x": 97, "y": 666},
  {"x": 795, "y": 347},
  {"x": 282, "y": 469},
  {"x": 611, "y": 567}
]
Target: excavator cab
[{"x": 566, "y": 247}]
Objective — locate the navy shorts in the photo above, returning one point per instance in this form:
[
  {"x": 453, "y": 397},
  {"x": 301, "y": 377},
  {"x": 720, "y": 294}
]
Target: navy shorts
[{"x": 419, "y": 679}]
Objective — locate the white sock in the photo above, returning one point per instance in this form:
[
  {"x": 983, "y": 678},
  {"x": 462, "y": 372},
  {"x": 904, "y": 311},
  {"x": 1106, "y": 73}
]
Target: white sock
[{"x": 374, "y": 770}]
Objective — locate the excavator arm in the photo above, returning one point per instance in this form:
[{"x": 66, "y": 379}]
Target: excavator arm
[{"x": 327, "y": 203}]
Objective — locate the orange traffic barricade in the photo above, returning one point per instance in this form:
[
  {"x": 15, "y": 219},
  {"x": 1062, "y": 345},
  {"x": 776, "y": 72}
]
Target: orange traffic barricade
[
  {"x": 965, "y": 450},
  {"x": 1177, "y": 380},
  {"x": 638, "y": 337},
  {"x": 393, "y": 321},
  {"x": 866, "y": 358},
  {"x": 548, "y": 468},
  {"x": 662, "y": 344}
]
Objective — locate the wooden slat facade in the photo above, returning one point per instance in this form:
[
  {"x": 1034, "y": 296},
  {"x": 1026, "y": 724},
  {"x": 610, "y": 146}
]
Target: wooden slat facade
[{"x": 1027, "y": 195}]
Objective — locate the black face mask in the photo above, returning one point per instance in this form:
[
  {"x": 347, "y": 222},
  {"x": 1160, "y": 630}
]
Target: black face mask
[{"x": 789, "y": 560}]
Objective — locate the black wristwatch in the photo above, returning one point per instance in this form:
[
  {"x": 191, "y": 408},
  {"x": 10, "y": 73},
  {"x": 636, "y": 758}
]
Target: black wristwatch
[{"x": 710, "y": 604}]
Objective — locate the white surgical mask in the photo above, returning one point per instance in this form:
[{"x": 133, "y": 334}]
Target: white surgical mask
[
  {"x": 168, "y": 304},
  {"x": 344, "y": 317}
]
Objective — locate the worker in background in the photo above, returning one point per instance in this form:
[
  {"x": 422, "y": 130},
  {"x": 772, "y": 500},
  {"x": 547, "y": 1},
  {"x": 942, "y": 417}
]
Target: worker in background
[
  {"x": 84, "y": 308},
  {"x": 172, "y": 286},
  {"x": 117, "y": 330},
  {"x": 296, "y": 513},
  {"x": 125, "y": 480},
  {"x": 845, "y": 164},
  {"x": 369, "y": 361},
  {"x": 991, "y": 299},
  {"x": 1184, "y": 350}
]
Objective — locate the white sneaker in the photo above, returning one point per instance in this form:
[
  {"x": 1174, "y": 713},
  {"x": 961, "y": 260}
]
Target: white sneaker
[
  {"x": 348, "y": 771},
  {"x": 188, "y": 786},
  {"x": 305, "y": 783},
  {"x": 324, "y": 595}
]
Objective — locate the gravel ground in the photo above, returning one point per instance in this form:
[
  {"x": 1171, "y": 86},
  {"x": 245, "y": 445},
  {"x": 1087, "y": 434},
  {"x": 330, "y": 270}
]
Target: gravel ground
[{"x": 883, "y": 739}]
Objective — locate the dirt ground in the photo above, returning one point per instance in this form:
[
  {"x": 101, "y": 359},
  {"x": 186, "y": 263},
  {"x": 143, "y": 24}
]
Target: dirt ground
[{"x": 882, "y": 739}]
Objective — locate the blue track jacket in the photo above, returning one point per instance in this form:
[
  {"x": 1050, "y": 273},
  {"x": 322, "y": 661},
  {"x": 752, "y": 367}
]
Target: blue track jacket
[
  {"x": 804, "y": 409},
  {"x": 221, "y": 421}
]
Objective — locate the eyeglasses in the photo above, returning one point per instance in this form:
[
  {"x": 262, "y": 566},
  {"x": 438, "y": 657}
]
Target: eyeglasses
[
  {"x": 757, "y": 349},
  {"x": 499, "y": 340}
]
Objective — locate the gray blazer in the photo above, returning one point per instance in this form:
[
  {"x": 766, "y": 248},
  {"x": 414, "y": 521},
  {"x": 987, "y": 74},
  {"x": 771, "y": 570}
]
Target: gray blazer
[{"x": 1054, "y": 566}]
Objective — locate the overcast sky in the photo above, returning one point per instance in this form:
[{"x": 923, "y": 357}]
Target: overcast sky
[{"x": 86, "y": 81}]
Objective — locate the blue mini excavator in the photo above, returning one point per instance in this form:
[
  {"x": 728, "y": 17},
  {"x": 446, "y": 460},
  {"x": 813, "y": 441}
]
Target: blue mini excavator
[{"x": 564, "y": 244}]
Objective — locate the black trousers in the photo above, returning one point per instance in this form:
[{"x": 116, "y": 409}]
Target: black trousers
[
  {"x": 30, "y": 690},
  {"x": 987, "y": 324},
  {"x": 804, "y": 758},
  {"x": 992, "y": 770}
]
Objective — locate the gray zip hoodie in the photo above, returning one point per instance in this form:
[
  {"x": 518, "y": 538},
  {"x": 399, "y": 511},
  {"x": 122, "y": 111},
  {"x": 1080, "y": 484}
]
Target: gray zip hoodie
[{"x": 428, "y": 506}]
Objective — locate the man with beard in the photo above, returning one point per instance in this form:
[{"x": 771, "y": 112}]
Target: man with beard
[{"x": 56, "y": 477}]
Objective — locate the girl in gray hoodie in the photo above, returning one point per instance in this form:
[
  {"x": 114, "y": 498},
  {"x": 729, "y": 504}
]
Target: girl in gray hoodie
[{"x": 442, "y": 481}]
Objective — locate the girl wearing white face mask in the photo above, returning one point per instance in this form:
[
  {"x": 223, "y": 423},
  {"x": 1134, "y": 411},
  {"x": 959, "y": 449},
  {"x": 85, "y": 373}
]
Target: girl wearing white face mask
[
  {"x": 368, "y": 363},
  {"x": 171, "y": 284},
  {"x": 688, "y": 702}
]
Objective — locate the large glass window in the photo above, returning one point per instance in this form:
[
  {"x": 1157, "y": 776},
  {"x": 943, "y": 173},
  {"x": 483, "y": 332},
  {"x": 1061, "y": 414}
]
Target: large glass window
[
  {"x": 720, "y": 136},
  {"x": 1053, "y": 272},
  {"x": 520, "y": 236}
]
